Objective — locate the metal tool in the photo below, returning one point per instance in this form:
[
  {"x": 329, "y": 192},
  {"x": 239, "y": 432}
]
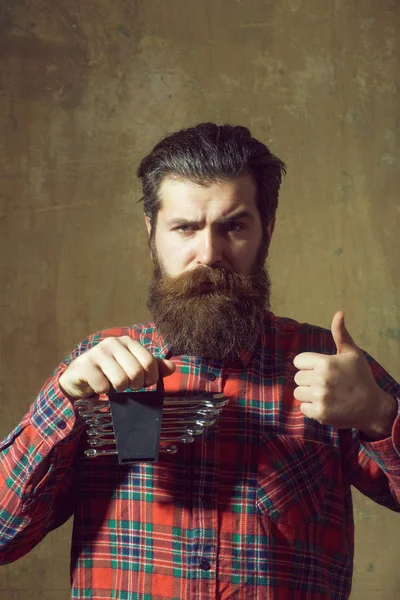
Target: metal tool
[{"x": 136, "y": 426}]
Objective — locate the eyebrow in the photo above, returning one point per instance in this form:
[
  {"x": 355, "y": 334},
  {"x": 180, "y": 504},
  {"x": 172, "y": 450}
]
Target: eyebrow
[{"x": 242, "y": 214}]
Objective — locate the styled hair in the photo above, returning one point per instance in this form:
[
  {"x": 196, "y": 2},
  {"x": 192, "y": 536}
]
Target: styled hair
[{"x": 208, "y": 153}]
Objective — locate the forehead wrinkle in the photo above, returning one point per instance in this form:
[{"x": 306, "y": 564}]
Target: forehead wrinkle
[{"x": 191, "y": 201}]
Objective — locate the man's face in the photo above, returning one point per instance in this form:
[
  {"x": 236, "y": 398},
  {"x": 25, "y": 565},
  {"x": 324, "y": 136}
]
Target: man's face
[
  {"x": 217, "y": 225},
  {"x": 209, "y": 290}
]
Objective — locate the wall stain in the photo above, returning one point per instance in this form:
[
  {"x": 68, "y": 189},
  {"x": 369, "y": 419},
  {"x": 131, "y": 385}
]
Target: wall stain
[
  {"x": 122, "y": 29},
  {"x": 345, "y": 185},
  {"x": 392, "y": 333},
  {"x": 355, "y": 118},
  {"x": 389, "y": 159},
  {"x": 65, "y": 76}
]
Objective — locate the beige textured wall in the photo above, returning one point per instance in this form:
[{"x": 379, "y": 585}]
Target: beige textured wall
[{"x": 88, "y": 87}]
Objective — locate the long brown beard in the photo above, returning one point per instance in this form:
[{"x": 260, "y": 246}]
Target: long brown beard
[{"x": 217, "y": 322}]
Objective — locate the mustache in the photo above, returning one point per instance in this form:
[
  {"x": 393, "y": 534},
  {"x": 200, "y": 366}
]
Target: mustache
[{"x": 221, "y": 280}]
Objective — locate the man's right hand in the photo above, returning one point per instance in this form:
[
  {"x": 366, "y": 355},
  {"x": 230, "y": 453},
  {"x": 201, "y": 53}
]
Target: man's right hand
[{"x": 121, "y": 361}]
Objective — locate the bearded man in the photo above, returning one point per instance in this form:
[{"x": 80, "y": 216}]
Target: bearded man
[{"x": 261, "y": 506}]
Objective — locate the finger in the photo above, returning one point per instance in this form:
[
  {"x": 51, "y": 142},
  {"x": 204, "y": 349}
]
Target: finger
[
  {"x": 166, "y": 367},
  {"x": 154, "y": 367},
  {"x": 308, "y": 410},
  {"x": 81, "y": 388},
  {"x": 108, "y": 371},
  {"x": 342, "y": 338},
  {"x": 304, "y": 377},
  {"x": 309, "y": 360},
  {"x": 138, "y": 375},
  {"x": 303, "y": 394},
  {"x": 118, "y": 377},
  {"x": 147, "y": 361}
]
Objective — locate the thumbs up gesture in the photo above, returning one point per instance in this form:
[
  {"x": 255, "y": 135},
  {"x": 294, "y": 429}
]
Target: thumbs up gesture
[{"x": 340, "y": 390}]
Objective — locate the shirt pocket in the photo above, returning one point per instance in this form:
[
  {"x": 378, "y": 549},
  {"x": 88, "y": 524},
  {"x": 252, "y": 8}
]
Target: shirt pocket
[{"x": 294, "y": 475}]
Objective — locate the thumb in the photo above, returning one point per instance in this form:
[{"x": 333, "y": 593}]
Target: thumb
[
  {"x": 343, "y": 340},
  {"x": 166, "y": 367}
]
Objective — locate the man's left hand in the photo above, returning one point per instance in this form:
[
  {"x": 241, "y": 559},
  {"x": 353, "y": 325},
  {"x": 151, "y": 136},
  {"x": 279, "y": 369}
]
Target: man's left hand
[{"x": 339, "y": 390}]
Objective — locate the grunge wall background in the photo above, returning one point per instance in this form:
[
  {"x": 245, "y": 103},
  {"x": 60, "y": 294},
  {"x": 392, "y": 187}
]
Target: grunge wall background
[{"x": 87, "y": 88}]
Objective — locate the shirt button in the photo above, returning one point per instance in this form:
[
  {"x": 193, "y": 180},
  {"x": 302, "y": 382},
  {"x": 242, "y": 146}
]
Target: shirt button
[
  {"x": 211, "y": 376},
  {"x": 61, "y": 424},
  {"x": 205, "y": 565}
]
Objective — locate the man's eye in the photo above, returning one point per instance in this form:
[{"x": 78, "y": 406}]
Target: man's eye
[
  {"x": 232, "y": 226},
  {"x": 184, "y": 228}
]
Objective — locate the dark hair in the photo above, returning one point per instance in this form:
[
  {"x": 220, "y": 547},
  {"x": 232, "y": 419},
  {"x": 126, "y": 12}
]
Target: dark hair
[{"x": 208, "y": 153}]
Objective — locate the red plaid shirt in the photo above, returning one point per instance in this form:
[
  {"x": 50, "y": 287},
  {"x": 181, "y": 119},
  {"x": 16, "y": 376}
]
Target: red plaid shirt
[{"x": 258, "y": 508}]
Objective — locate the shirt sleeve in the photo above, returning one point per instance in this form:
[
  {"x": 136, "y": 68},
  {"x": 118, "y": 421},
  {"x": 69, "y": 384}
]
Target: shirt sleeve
[
  {"x": 44, "y": 448},
  {"x": 373, "y": 467}
]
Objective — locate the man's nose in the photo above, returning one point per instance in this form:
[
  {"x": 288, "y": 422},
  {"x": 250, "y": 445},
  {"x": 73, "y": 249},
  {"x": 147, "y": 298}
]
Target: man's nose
[{"x": 209, "y": 248}]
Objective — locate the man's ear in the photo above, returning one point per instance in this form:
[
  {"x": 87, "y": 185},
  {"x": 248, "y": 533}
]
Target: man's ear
[
  {"x": 271, "y": 227},
  {"x": 148, "y": 224},
  {"x": 148, "y": 227},
  {"x": 270, "y": 231}
]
